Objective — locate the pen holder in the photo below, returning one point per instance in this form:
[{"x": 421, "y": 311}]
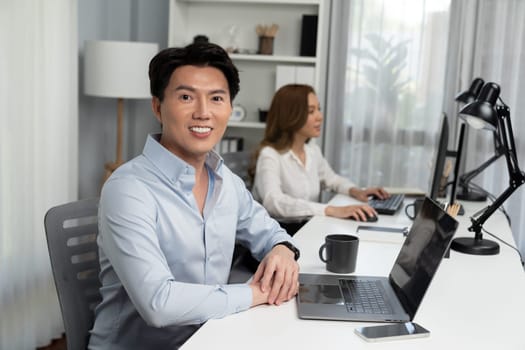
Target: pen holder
[
  {"x": 442, "y": 192},
  {"x": 266, "y": 45}
]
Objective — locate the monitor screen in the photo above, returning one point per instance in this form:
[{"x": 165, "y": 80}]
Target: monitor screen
[
  {"x": 458, "y": 152},
  {"x": 440, "y": 156}
]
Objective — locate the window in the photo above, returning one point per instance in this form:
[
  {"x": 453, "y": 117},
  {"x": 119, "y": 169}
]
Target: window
[{"x": 393, "y": 91}]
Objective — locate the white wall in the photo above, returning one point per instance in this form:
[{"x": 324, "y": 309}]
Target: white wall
[{"x": 128, "y": 20}]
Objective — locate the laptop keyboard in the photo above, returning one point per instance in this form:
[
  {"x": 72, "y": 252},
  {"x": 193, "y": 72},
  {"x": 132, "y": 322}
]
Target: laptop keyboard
[
  {"x": 364, "y": 296},
  {"x": 387, "y": 206}
]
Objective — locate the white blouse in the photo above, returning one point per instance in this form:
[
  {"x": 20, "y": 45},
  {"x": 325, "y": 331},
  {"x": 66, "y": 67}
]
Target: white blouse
[{"x": 287, "y": 188}]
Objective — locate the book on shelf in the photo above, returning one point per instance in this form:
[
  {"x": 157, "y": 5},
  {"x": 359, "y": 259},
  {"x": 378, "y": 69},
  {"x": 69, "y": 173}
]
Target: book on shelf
[{"x": 229, "y": 144}]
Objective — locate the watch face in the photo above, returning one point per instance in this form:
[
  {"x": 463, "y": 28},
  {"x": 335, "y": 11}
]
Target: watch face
[{"x": 238, "y": 113}]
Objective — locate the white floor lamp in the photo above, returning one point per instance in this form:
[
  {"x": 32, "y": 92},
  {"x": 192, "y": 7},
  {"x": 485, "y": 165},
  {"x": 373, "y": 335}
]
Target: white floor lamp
[{"x": 117, "y": 69}]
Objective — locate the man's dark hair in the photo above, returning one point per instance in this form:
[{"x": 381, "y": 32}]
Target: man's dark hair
[{"x": 166, "y": 61}]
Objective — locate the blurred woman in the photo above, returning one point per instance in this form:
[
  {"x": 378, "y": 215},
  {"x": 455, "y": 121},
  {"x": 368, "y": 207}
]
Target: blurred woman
[{"x": 290, "y": 169}]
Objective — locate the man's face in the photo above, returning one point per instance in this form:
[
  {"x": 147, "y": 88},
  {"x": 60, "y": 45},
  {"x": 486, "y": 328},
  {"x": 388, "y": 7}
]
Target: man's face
[{"x": 195, "y": 111}]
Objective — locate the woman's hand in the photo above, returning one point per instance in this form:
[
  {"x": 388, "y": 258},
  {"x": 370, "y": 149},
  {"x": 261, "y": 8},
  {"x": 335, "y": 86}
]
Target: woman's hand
[
  {"x": 358, "y": 212},
  {"x": 363, "y": 194}
]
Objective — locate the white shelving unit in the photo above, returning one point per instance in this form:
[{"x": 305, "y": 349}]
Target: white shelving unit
[
  {"x": 218, "y": 18},
  {"x": 246, "y": 124},
  {"x": 273, "y": 58}
]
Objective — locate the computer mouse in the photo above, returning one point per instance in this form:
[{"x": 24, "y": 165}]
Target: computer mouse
[{"x": 371, "y": 218}]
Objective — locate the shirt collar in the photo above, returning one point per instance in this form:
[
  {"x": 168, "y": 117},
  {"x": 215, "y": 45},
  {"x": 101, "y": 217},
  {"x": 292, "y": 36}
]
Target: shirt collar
[
  {"x": 292, "y": 155},
  {"x": 214, "y": 160},
  {"x": 169, "y": 164}
]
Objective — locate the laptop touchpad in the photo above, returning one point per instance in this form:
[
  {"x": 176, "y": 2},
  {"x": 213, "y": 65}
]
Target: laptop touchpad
[{"x": 320, "y": 294}]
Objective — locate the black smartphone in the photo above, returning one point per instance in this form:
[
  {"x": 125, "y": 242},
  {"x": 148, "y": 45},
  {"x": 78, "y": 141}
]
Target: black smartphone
[{"x": 392, "y": 331}]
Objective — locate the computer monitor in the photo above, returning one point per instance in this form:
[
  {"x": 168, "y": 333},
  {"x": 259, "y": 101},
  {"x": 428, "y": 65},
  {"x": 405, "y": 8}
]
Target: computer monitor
[
  {"x": 457, "y": 155},
  {"x": 440, "y": 157}
]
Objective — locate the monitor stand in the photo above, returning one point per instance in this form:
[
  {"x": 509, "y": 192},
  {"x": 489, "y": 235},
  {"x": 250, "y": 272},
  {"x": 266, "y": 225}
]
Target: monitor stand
[{"x": 471, "y": 195}]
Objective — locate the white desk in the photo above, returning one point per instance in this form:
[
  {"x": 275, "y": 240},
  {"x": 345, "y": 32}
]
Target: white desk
[{"x": 474, "y": 302}]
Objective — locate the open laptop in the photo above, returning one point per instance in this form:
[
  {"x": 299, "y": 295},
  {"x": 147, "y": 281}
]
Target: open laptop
[{"x": 334, "y": 297}]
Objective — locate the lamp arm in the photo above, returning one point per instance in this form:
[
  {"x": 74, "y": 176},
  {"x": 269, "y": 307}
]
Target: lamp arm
[
  {"x": 465, "y": 179},
  {"x": 516, "y": 176},
  {"x": 468, "y": 176},
  {"x": 478, "y": 222},
  {"x": 507, "y": 141}
]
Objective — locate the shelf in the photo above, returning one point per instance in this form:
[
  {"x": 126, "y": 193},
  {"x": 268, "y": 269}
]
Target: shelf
[
  {"x": 273, "y": 58},
  {"x": 252, "y": 125},
  {"x": 232, "y": 23},
  {"x": 277, "y": 2}
]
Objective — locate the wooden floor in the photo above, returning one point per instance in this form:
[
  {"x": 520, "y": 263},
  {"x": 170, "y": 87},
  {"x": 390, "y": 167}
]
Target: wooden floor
[{"x": 56, "y": 344}]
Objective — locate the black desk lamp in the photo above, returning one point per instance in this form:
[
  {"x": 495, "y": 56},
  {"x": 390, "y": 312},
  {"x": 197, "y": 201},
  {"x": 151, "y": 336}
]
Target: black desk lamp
[
  {"x": 466, "y": 193},
  {"x": 485, "y": 114},
  {"x": 472, "y": 92}
]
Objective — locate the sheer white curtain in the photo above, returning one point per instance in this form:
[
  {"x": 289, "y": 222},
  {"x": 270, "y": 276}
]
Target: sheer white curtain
[
  {"x": 488, "y": 40},
  {"x": 38, "y": 150},
  {"x": 383, "y": 113}
]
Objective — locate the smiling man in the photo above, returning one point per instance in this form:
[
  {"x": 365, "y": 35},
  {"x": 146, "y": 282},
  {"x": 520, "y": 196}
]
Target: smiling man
[{"x": 169, "y": 218}]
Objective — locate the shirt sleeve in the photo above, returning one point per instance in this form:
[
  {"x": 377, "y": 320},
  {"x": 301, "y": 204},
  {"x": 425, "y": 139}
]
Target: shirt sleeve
[
  {"x": 328, "y": 176},
  {"x": 127, "y": 221},
  {"x": 256, "y": 229},
  {"x": 269, "y": 189}
]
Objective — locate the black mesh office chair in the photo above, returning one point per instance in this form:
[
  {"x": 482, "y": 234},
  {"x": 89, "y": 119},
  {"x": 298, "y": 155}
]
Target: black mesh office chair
[{"x": 71, "y": 232}]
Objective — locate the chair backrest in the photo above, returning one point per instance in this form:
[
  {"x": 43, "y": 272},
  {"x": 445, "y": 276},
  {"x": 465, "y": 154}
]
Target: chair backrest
[
  {"x": 71, "y": 232},
  {"x": 238, "y": 162}
]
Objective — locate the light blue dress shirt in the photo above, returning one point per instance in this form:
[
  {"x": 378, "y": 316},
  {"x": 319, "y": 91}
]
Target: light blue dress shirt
[{"x": 164, "y": 266}]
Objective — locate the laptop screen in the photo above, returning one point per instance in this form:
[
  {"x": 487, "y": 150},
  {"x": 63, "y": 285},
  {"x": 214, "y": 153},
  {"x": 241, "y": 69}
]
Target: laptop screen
[{"x": 419, "y": 258}]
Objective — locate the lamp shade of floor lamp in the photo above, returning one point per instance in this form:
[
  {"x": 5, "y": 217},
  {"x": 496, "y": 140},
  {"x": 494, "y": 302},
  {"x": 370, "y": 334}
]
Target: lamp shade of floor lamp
[{"x": 117, "y": 69}]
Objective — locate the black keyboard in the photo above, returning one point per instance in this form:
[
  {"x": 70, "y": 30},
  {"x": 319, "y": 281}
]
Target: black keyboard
[
  {"x": 387, "y": 206},
  {"x": 364, "y": 296}
]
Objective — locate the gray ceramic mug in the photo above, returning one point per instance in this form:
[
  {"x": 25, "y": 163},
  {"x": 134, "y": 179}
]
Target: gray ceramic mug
[
  {"x": 416, "y": 205},
  {"x": 339, "y": 252}
]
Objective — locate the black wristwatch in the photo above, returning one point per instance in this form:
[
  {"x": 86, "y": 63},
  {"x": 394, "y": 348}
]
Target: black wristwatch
[{"x": 290, "y": 246}]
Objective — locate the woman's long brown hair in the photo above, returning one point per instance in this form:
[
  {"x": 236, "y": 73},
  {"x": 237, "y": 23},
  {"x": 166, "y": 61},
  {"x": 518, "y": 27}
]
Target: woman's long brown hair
[{"x": 288, "y": 113}]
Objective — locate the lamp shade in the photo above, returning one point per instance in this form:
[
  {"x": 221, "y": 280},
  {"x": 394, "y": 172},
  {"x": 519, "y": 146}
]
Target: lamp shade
[
  {"x": 117, "y": 69},
  {"x": 481, "y": 113},
  {"x": 473, "y": 91}
]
